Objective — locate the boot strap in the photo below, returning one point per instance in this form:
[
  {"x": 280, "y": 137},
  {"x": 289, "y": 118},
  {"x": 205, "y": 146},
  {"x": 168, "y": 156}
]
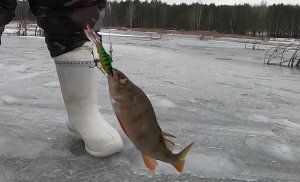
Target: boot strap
[{"x": 90, "y": 64}]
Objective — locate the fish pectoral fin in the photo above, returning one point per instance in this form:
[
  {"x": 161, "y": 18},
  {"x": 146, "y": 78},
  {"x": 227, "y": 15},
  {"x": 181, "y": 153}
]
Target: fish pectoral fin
[
  {"x": 150, "y": 163},
  {"x": 131, "y": 95},
  {"x": 122, "y": 125}
]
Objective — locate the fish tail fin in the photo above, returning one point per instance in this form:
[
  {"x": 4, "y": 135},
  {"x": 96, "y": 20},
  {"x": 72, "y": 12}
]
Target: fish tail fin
[{"x": 181, "y": 158}]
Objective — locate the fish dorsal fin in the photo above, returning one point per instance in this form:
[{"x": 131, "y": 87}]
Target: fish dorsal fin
[
  {"x": 150, "y": 163},
  {"x": 168, "y": 140},
  {"x": 168, "y": 135},
  {"x": 169, "y": 144}
]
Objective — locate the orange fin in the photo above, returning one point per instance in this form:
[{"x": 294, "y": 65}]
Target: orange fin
[
  {"x": 169, "y": 144},
  {"x": 150, "y": 163},
  {"x": 181, "y": 158},
  {"x": 179, "y": 166}
]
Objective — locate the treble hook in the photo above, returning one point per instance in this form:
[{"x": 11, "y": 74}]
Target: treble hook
[
  {"x": 96, "y": 61},
  {"x": 96, "y": 64}
]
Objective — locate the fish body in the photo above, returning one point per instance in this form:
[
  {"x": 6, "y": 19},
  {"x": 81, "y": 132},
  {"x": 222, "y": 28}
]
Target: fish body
[{"x": 138, "y": 120}]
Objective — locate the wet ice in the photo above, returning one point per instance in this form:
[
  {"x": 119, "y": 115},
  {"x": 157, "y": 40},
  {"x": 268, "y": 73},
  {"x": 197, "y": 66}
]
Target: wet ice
[{"x": 242, "y": 114}]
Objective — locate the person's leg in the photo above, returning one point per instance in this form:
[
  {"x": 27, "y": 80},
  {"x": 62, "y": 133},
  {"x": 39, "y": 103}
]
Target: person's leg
[
  {"x": 1, "y": 31},
  {"x": 78, "y": 86}
]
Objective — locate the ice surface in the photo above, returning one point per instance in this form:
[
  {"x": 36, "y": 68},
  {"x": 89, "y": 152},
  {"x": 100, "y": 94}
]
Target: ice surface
[{"x": 242, "y": 114}]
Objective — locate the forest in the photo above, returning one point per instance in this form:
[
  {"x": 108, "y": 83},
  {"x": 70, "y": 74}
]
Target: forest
[{"x": 260, "y": 20}]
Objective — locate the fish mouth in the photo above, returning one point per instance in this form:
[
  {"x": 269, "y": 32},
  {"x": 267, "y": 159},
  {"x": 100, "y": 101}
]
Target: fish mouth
[{"x": 119, "y": 77}]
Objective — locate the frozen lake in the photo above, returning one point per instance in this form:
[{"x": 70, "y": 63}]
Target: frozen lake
[{"x": 243, "y": 115}]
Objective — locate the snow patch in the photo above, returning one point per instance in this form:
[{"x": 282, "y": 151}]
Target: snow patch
[
  {"x": 5, "y": 174},
  {"x": 288, "y": 123},
  {"x": 10, "y": 31},
  {"x": 18, "y": 68},
  {"x": 27, "y": 150},
  {"x": 161, "y": 102},
  {"x": 282, "y": 122},
  {"x": 51, "y": 84},
  {"x": 259, "y": 118},
  {"x": 276, "y": 150},
  {"x": 214, "y": 165},
  {"x": 167, "y": 103},
  {"x": 8, "y": 99},
  {"x": 287, "y": 130},
  {"x": 31, "y": 75},
  {"x": 28, "y": 76}
]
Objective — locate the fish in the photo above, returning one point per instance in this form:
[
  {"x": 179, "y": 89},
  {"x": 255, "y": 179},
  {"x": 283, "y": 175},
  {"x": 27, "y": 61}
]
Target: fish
[
  {"x": 137, "y": 118},
  {"x": 136, "y": 115},
  {"x": 104, "y": 58}
]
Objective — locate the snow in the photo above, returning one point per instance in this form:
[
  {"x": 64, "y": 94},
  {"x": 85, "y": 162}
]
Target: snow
[
  {"x": 8, "y": 99},
  {"x": 243, "y": 115}
]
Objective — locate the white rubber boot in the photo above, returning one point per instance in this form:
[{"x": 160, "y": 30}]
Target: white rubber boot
[{"x": 78, "y": 86}]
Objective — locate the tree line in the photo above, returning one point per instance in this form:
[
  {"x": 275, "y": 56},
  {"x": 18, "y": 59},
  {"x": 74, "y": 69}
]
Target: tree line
[{"x": 261, "y": 20}]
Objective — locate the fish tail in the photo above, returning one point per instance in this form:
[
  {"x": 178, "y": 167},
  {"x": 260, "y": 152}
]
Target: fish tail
[{"x": 181, "y": 158}]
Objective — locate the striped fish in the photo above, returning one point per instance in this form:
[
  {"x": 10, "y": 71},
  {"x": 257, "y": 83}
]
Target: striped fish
[{"x": 138, "y": 120}]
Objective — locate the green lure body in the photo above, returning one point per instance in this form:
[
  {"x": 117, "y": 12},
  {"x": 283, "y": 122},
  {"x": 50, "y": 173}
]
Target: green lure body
[{"x": 105, "y": 59}]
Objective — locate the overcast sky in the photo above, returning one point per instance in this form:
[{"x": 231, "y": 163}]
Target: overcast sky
[{"x": 217, "y": 2}]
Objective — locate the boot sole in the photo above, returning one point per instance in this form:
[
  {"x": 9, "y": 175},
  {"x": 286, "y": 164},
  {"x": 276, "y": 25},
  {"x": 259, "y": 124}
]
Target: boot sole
[
  {"x": 116, "y": 149},
  {"x": 104, "y": 154}
]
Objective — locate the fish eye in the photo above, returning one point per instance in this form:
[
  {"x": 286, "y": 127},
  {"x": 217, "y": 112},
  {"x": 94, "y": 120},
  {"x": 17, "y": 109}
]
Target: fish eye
[{"x": 123, "y": 80}]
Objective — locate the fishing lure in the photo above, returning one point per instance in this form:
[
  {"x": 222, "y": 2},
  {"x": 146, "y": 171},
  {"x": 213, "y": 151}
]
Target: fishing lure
[{"x": 105, "y": 58}]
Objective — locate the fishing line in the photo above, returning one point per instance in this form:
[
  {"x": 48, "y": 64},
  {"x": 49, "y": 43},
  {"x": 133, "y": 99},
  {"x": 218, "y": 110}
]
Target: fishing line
[{"x": 110, "y": 16}]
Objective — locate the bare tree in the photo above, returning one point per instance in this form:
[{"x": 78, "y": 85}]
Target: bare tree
[
  {"x": 195, "y": 16},
  {"x": 262, "y": 17},
  {"x": 164, "y": 16},
  {"x": 22, "y": 12},
  {"x": 269, "y": 26},
  {"x": 154, "y": 13},
  {"x": 131, "y": 9},
  {"x": 233, "y": 18},
  {"x": 199, "y": 15},
  {"x": 210, "y": 19}
]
